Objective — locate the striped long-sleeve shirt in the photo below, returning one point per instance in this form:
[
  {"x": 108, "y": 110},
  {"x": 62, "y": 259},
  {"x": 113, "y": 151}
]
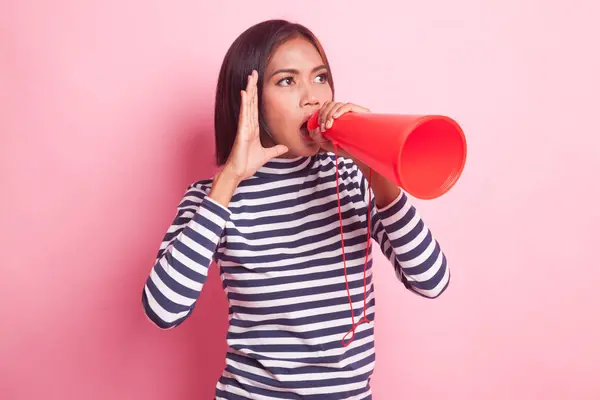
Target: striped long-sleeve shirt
[{"x": 278, "y": 249}]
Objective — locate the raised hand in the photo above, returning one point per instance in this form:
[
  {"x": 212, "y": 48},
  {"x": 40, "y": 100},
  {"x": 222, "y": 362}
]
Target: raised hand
[{"x": 248, "y": 153}]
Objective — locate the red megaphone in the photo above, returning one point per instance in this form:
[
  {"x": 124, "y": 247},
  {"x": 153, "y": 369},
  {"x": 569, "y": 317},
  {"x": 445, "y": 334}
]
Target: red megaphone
[{"x": 423, "y": 154}]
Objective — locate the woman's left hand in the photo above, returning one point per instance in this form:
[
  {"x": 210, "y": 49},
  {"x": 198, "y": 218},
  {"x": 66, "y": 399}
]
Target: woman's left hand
[{"x": 327, "y": 115}]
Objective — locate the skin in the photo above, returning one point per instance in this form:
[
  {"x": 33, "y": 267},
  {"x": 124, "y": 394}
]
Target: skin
[{"x": 295, "y": 86}]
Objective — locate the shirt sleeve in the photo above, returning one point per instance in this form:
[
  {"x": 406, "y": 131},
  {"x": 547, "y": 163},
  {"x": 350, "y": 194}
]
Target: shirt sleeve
[
  {"x": 185, "y": 254},
  {"x": 407, "y": 242}
]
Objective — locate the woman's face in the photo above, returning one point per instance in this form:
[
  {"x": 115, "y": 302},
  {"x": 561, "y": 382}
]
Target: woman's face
[{"x": 295, "y": 85}]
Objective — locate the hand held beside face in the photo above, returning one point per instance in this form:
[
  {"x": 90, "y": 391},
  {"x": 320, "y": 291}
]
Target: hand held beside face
[{"x": 248, "y": 153}]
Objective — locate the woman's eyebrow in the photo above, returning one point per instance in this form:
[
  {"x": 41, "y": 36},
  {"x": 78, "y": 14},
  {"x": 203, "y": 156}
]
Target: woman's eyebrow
[{"x": 295, "y": 71}]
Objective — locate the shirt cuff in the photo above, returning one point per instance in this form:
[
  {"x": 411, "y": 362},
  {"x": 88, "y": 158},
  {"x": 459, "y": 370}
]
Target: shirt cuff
[
  {"x": 218, "y": 208},
  {"x": 394, "y": 206}
]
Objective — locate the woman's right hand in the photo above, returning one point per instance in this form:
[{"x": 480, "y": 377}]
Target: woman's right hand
[{"x": 248, "y": 153}]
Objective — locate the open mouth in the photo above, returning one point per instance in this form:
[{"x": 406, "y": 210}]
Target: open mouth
[{"x": 304, "y": 130}]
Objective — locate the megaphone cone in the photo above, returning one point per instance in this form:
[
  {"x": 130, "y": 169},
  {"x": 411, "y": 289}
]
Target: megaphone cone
[{"x": 423, "y": 154}]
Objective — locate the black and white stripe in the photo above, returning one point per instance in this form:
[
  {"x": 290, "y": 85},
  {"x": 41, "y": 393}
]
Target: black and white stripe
[{"x": 278, "y": 249}]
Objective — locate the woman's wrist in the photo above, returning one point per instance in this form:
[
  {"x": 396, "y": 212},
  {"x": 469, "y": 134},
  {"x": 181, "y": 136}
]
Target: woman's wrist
[{"x": 224, "y": 186}]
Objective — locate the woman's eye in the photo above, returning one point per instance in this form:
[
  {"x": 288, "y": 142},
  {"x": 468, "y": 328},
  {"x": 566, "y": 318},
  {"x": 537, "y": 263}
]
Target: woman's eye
[
  {"x": 322, "y": 78},
  {"x": 286, "y": 81}
]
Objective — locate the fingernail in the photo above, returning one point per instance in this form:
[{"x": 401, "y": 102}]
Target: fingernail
[{"x": 329, "y": 123}]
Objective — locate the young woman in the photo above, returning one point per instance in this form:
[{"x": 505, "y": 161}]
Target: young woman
[{"x": 288, "y": 221}]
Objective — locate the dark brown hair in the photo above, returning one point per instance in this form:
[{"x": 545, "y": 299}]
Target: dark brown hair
[{"x": 251, "y": 51}]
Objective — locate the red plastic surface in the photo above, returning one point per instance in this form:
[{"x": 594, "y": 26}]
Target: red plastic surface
[{"x": 423, "y": 154}]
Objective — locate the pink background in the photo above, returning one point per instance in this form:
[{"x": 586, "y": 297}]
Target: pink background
[{"x": 106, "y": 117}]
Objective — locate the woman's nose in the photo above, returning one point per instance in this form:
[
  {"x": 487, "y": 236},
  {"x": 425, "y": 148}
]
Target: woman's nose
[{"x": 309, "y": 98}]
